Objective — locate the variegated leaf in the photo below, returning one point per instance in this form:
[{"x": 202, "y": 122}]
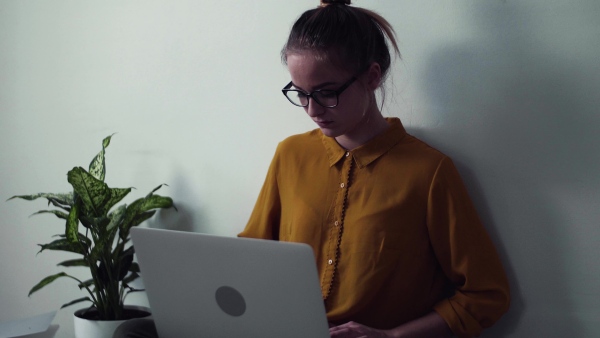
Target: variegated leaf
[
  {"x": 139, "y": 211},
  {"x": 156, "y": 201},
  {"x": 82, "y": 238},
  {"x": 72, "y": 226},
  {"x": 116, "y": 195},
  {"x": 64, "y": 198},
  {"x": 64, "y": 201},
  {"x": 98, "y": 166},
  {"x": 116, "y": 217},
  {"x": 138, "y": 218},
  {"x": 92, "y": 192},
  {"x": 63, "y": 245},
  {"x": 58, "y": 214},
  {"x": 99, "y": 246}
]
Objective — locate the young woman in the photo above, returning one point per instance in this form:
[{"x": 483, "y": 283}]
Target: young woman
[{"x": 400, "y": 249}]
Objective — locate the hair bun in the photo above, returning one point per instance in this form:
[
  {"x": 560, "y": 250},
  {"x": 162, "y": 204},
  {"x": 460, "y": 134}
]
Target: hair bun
[{"x": 335, "y": 2}]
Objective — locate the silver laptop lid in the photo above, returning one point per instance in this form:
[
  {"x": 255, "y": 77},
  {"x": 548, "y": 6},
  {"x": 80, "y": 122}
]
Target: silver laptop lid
[{"x": 201, "y": 285}]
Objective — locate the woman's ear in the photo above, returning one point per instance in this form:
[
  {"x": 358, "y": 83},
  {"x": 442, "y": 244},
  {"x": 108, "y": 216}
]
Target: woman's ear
[{"x": 373, "y": 76}]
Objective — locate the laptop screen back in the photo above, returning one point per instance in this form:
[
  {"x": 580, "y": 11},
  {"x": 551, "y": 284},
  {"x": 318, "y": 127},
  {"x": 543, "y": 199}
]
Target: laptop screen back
[{"x": 202, "y": 285}]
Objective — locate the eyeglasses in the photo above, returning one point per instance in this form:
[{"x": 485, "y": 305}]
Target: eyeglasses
[{"x": 325, "y": 97}]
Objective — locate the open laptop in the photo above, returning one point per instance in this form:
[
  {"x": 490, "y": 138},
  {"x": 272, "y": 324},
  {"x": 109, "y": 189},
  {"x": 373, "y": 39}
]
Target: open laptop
[{"x": 201, "y": 285}]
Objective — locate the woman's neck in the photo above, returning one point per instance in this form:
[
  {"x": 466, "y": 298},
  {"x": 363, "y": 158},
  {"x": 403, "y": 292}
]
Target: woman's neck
[{"x": 373, "y": 125}]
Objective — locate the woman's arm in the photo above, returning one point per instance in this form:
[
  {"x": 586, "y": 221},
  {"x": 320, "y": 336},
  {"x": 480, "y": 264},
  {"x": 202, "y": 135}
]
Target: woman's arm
[{"x": 429, "y": 326}]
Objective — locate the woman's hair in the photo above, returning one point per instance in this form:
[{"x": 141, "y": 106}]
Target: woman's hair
[{"x": 349, "y": 36}]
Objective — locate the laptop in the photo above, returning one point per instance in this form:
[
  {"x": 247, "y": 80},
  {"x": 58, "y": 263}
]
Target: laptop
[{"x": 201, "y": 285}]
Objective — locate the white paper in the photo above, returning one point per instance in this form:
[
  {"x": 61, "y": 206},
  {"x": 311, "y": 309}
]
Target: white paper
[{"x": 31, "y": 325}]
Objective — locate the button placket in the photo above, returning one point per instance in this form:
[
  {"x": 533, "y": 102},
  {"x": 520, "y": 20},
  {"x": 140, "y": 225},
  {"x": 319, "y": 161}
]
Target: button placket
[{"x": 335, "y": 234}]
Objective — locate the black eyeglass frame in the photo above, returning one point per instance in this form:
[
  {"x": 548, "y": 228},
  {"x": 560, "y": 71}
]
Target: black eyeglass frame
[{"x": 337, "y": 92}]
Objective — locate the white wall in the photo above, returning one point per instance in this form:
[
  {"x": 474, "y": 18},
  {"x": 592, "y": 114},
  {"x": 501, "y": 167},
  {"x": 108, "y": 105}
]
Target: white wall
[{"x": 507, "y": 88}]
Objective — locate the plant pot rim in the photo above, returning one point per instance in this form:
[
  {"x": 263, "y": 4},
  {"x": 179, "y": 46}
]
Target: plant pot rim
[{"x": 135, "y": 311}]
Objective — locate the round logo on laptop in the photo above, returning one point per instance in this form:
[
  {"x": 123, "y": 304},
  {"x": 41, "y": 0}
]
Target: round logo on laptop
[{"x": 230, "y": 301}]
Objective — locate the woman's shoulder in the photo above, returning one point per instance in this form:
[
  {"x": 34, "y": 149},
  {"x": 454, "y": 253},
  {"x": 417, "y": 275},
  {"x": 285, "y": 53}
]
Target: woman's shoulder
[
  {"x": 418, "y": 148},
  {"x": 419, "y": 161},
  {"x": 301, "y": 141},
  {"x": 301, "y": 148}
]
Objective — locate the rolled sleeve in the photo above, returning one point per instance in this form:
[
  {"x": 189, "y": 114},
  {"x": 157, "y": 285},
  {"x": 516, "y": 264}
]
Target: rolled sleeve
[
  {"x": 265, "y": 218},
  {"x": 466, "y": 255}
]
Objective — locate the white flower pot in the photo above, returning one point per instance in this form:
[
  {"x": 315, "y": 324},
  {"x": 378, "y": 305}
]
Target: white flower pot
[{"x": 89, "y": 328}]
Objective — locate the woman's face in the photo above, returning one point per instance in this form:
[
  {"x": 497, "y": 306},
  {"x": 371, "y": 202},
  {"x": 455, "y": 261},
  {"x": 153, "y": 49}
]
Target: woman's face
[{"x": 355, "y": 104}]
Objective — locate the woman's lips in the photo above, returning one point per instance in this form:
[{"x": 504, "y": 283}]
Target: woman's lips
[{"x": 323, "y": 124}]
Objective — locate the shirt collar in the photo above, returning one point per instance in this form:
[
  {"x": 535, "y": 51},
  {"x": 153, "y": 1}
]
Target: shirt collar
[{"x": 370, "y": 151}]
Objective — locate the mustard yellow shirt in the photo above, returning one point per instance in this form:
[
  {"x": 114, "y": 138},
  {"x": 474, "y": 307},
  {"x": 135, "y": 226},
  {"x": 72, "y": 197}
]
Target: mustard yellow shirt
[{"x": 393, "y": 230}]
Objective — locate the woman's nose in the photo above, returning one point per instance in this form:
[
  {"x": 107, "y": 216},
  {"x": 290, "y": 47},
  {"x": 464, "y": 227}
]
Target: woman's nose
[{"x": 314, "y": 109}]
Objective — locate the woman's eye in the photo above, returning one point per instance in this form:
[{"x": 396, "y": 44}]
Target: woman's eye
[{"x": 327, "y": 94}]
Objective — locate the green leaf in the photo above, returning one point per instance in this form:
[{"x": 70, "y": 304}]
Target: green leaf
[
  {"x": 64, "y": 199},
  {"x": 64, "y": 245},
  {"x": 95, "y": 223},
  {"x": 98, "y": 166},
  {"x": 85, "y": 284},
  {"x": 92, "y": 192},
  {"x": 125, "y": 261},
  {"x": 72, "y": 226},
  {"x": 104, "y": 274},
  {"x": 64, "y": 204},
  {"x": 74, "y": 262},
  {"x": 156, "y": 201},
  {"x": 132, "y": 290},
  {"x": 84, "y": 299},
  {"x": 47, "y": 281},
  {"x": 138, "y": 218},
  {"x": 58, "y": 213},
  {"x": 132, "y": 211},
  {"x": 138, "y": 211},
  {"x": 155, "y": 189},
  {"x": 141, "y": 218},
  {"x": 100, "y": 245},
  {"x": 130, "y": 278},
  {"x": 135, "y": 267},
  {"x": 116, "y": 195},
  {"x": 116, "y": 217},
  {"x": 82, "y": 239}
]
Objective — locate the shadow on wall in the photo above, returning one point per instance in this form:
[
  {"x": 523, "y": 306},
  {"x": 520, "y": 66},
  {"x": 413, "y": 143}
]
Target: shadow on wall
[
  {"x": 516, "y": 108},
  {"x": 49, "y": 333},
  {"x": 186, "y": 216}
]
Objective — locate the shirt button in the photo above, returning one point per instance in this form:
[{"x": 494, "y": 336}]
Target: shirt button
[
  {"x": 347, "y": 153},
  {"x": 330, "y": 262},
  {"x": 336, "y": 223},
  {"x": 342, "y": 185}
]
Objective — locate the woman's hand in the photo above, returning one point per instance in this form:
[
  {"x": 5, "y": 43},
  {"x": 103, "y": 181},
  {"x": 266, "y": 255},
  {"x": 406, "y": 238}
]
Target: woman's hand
[
  {"x": 356, "y": 330},
  {"x": 431, "y": 325}
]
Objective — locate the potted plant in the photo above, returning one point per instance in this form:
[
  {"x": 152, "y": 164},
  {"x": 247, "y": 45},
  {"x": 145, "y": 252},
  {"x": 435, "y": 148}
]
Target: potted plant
[{"x": 97, "y": 230}]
